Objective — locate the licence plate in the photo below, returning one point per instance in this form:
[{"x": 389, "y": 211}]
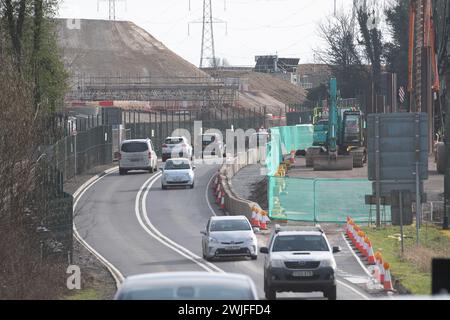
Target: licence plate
[
  {"x": 232, "y": 248},
  {"x": 135, "y": 160},
  {"x": 303, "y": 274}
]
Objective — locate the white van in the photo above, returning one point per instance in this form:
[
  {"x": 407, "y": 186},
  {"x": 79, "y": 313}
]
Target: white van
[{"x": 137, "y": 155}]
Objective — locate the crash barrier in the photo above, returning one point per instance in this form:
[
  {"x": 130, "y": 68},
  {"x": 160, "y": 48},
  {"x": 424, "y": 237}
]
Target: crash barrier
[
  {"x": 319, "y": 200},
  {"x": 286, "y": 141},
  {"x": 381, "y": 268},
  {"x": 231, "y": 203}
]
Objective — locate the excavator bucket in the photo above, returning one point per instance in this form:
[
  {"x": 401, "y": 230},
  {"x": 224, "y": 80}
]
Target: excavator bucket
[{"x": 327, "y": 163}]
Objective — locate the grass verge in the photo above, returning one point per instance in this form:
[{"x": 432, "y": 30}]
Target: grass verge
[{"x": 413, "y": 268}]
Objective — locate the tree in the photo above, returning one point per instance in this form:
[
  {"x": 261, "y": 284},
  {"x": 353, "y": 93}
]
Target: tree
[
  {"x": 341, "y": 54},
  {"x": 396, "y": 51},
  {"x": 30, "y": 37},
  {"x": 372, "y": 42}
]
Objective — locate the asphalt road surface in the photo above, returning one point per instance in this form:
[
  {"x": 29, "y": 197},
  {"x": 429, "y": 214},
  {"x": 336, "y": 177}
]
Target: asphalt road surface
[{"x": 140, "y": 228}]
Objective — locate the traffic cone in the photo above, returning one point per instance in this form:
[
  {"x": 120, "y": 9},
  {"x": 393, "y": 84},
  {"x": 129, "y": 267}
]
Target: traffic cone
[
  {"x": 222, "y": 200},
  {"x": 218, "y": 196},
  {"x": 366, "y": 246},
  {"x": 292, "y": 159},
  {"x": 264, "y": 220},
  {"x": 387, "y": 278},
  {"x": 371, "y": 256},
  {"x": 217, "y": 189},
  {"x": 382, "y": 271},
  {"x": 216, "y": 182},
  {"x": 255, "y": 221}
]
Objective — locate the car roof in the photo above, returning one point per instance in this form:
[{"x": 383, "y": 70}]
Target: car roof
[
  {"x": 178, "y": 159},
  {"x": 136, "y": 140},
  {"x": 297, "y": 233},
  {"x": 180, "y": 137},
  {"x": 225, "y": 218},
  {"x": 183, "y": 278}
]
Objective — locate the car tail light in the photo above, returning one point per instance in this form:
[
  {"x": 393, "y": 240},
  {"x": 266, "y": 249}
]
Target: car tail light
[
  {"x": 119, "y": 156},
  {"x": 164, "y": 145},
  {"x": 149, "y": 155},
  {"x": 184, "y": 145}
]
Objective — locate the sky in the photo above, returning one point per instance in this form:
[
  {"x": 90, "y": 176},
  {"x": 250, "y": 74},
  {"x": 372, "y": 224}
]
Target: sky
[{"x": 254, "y": 27}]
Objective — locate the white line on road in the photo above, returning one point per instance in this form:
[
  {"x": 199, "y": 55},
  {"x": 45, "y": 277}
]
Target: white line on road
[
  {"x": 356, "y": 257},
  {"x": 353, "y": 289},
  {"x": 152, "y": 231},
  {"x": 117, "y": 275}
]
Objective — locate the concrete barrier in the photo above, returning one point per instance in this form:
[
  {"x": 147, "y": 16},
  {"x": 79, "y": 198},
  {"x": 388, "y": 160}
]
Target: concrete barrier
[{"x": 234, "y": 205}]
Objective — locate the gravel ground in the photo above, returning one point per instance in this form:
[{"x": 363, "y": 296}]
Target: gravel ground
[{"x": 96, "y": 279}]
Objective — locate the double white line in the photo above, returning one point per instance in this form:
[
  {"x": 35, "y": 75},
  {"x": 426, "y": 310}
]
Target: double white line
[{"x": 146, "y": 224}]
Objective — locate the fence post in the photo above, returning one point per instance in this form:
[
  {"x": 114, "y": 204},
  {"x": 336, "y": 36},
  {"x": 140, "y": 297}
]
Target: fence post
[{"x": 314, "y": 202}]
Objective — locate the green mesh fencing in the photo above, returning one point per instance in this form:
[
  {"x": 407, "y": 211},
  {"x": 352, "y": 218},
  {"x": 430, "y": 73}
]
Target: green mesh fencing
[
  {"x": 284, "y": 140},
  {"x": 321, "y": 200}
]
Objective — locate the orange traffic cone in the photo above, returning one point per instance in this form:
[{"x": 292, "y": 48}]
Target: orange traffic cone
[
  {"x": 255, "y": 220},
  {"x": 216, "y": 182},
  {"x": 381, "y": 266},
  {"x": 387, "y": 278},
  {"x": 371, "y": 256},
  {"x": 222, "y": 200},
  {"x": 292, "y": 159},
  {"x": 218, "y": 196},
  {"x": 264, "y": 220}
]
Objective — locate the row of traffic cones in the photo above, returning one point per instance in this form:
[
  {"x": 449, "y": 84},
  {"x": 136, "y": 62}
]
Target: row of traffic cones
[
  {"x": 219, "y": 192},
  {"x": 363, "y": 244},
  {"x": 260, "y": 218}
]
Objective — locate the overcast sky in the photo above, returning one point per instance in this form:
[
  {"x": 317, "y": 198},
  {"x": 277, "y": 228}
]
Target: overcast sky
[{"x": 255, "y": 27}]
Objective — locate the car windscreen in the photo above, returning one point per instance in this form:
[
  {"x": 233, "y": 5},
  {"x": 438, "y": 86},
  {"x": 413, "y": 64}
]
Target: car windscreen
[
  {"x": 199, "y": 292},
  {"x": 229, "y": 225},
  {"x": 134, "y": 147},
  {"x": 174, "y": 140},
  {"x": 300, "y": 243},
  {"x": 177, "y": 165}
]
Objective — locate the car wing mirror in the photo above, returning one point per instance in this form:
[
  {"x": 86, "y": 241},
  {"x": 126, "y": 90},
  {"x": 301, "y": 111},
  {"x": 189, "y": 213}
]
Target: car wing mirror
[
  {"x": 337, "y": 249},
  {"x": 264, "y": 250},
  {"x": 203, "y": 233}
]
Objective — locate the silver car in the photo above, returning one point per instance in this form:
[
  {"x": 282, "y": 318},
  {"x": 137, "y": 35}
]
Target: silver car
[
  {"x": 187, "y": 286},
  {"x": 178, "y": 172},
  {"x": 137, "y": 155},
  {"x": 229, "y": 237}
]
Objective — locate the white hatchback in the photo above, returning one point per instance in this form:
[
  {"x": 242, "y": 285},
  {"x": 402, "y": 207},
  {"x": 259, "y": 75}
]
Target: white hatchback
[
  {"x": 137, "y": 155},
  {"x": 178, "y": 172}
]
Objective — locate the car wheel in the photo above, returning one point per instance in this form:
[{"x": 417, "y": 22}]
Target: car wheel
[
  {"x": 164, "y": 187},
  {"x": 331, "y": 293},
  {"x": 122, "y": 172},
  {"x": 192, "y": 186},
  {"x": 255, "y": 257},
  {"x": 270, "y": 293},
  {"x": 151, "y": 170}
]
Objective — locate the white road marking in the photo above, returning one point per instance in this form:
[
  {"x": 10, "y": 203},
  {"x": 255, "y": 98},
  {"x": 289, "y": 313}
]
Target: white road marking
[
  {"x": 157, "y": 235},
  {"x": 353, "y": 289},
  {"x": 356, "y": 257},
  {"x": 117, "y": 275}
]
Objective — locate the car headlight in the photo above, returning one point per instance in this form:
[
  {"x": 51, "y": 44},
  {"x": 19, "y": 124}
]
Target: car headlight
[
  {"x": 251, "y": 240},
  {"x": 328, "y": 263},
  {"x": 277, "y": 263},
  {"x": 213, "y": 240}
]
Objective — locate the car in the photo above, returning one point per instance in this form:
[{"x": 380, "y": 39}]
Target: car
[
  {"x": 229, "y": 237},
  {"x": 299, "y": 259},
  {"x": 178, "y": 172},
  {"x": 214, "y": 143},
  {"x": 137, "y": 154},
  {"x": 187, "y": 286},
  {"x": 176, "y": 147}
]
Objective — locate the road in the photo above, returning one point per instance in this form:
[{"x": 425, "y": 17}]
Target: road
[{"x": 140, "y": 228}]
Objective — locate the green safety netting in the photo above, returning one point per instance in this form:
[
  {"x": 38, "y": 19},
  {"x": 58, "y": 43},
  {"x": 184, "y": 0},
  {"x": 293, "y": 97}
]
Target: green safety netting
[
  {"x": 321, "y": 200},
  {"x": 284, "y": 140}
]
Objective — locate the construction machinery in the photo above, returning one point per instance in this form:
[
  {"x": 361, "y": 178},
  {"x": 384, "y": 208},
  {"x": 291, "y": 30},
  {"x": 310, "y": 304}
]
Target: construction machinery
[{"x": 338, "y": 137}]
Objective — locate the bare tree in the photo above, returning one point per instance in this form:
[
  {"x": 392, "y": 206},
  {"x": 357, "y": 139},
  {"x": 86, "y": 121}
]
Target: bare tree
[{"x": 341, "y": 53}]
